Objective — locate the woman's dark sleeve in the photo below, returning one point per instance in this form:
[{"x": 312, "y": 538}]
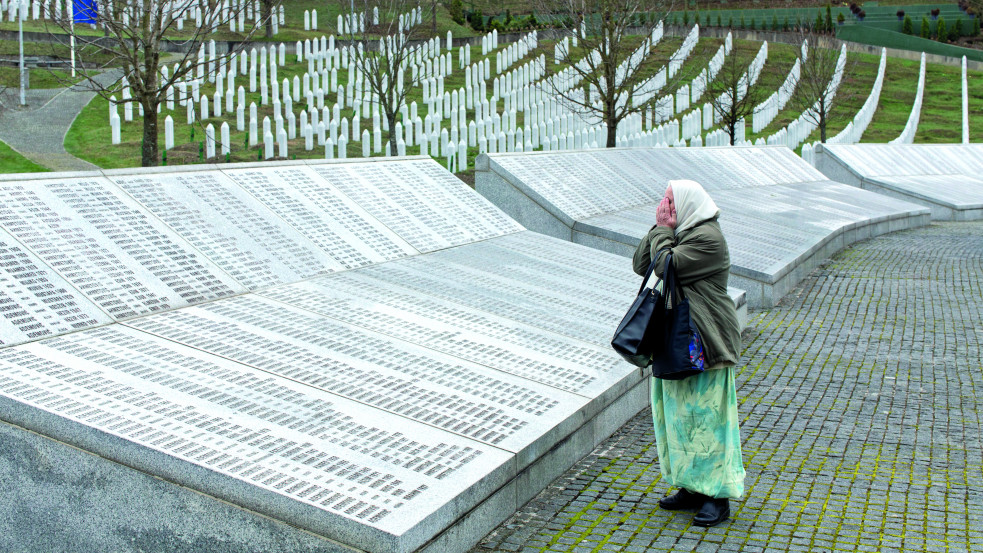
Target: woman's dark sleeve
[
  {"x": 699, "y": 255},
  {"x": 656, "y": 239}
]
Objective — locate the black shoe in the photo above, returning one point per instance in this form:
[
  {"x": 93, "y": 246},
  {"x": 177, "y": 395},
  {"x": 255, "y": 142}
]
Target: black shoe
[
  {"x": 713, "y": 512},
  {"x": 683, "y": 500}
]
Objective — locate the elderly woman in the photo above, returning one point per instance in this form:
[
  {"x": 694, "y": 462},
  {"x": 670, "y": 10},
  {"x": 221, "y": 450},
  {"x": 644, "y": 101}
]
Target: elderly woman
[{"x": 696, "y": 426}]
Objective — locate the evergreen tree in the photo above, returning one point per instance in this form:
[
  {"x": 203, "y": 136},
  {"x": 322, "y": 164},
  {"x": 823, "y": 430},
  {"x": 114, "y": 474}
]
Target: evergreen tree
[
  {"x": 743, "y": 25},
  {"x": 829, "y": 18},
  {"x": 926, "y": 28},
  {"x": 785, "y": 24},
  {"x": 957, "y": 30},
  {"x": 941, "y": 32},
  {"x": 774, "y": 22},
  {"x": 907, "y": 27},
  {"x": 819, "y": 25}
]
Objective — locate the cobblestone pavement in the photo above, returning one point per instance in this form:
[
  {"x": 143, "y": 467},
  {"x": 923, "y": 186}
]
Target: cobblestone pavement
[
  {"x": 860, "y": 407},
  {"x": 38, "y": 130}
]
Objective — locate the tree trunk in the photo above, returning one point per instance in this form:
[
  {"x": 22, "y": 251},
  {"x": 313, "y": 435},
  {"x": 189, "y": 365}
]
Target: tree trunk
[
  {"x": 433, "y": 19},
  {"x": 393, "y": 138},
  {"x": 822, "y": 124},
  {"x": 612, "y": 122},
  {"x": 149, "y": 147},
  {"x": 732, "y": 131}
]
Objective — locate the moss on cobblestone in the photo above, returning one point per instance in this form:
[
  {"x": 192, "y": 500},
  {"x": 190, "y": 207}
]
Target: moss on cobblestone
[{"x": 860, "y": 417}]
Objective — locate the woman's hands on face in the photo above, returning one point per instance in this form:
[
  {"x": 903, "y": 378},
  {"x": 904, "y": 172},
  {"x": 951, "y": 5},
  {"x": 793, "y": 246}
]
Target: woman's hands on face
[{"x": 665, "y": 214}]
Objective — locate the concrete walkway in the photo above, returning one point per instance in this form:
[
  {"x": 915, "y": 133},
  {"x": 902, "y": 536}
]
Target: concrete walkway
[
  {"x": 861, "y": 398},
  {"x": 38, "y": 130}
]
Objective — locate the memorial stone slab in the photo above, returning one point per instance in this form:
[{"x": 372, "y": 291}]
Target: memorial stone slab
[
  {"x": 247, "y": 436},
  {"x": 326, "y": 216},
  {"x": 429, "y": 218},
  {"x": 231, "y": 227},
  {"x": 355, "y": 388},
  {"x": 780, "y": 215},
  {"x": 36, "y": 301},
  {"x": 943, "y": 177},
  {"x": 375, "y": 369},
  {"x": 109, "y": 248}
]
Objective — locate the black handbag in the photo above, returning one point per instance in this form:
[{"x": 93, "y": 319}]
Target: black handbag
[
  {"x": 678, "y": 352},
  {"x": 633, "y": 338}
]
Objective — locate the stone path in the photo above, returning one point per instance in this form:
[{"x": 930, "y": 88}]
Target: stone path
[
  {"x": 861, "y": 398},
  {"x": 38, "y": 131}
]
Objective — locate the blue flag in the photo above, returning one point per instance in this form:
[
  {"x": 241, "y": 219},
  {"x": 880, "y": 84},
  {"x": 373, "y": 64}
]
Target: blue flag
[{"x": 85, "y": 11}]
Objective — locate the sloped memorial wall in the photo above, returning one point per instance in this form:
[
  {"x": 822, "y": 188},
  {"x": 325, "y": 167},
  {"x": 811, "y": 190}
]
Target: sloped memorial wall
[
  {"x": 368, "y": 351},
  {"x": 780, "y": 216},
  {"x": 946, "y": 178}
]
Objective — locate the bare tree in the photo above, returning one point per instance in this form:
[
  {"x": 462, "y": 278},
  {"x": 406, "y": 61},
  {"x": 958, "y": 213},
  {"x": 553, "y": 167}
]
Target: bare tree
[
  {"x": 269, "y": 8},
  {"x": 383, "y": 63},
  {"x": 734, "y": 93},
  {"x": 815, "y": 95},
  {"x": 614, "y": 72},
  {"x": 138, "y": 33}
]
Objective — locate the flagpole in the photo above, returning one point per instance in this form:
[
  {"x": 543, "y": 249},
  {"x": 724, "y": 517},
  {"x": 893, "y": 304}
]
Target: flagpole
[
  {"x": 71, "y": 17},
  {"x": 21, "y": 14}
]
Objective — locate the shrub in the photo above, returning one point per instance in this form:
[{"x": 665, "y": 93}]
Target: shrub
[
  {"x": 956, "y": 30},
  {"x": 941, "y": 33},
  {"x": 706, "y": 21},
  {"x": 730, "y": 23},
  {"x": 840, "y": 18},
  {"x": 907, "y": 27},
  {"x": 976, "y": 25},
  {"x": 818, "y": 25},
  {"x": 785, "y": 24},
  {"x": 829, "y": 18},
  {"x": 926, "y": 28},
  {"x": 774, "y": 22},
  {"x": 743, "y": 25},
  {"x": 685, "y": 17},
  {"x": 718, "y": 21},
  {"x": 456, "y": 10},
  {"x": 477, "y": 20}
]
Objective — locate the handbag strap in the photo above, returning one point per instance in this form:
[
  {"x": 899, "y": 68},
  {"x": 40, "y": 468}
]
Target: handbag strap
[
  {"x": 672, "y": 288},
  {"x": 648, "y": 272}
]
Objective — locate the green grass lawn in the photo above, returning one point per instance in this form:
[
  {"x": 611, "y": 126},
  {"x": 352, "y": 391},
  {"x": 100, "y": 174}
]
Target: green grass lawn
[
  {"x": 292, "y": 30},
  {"x": 89, "y": 136},
  {"x": 40, "y": 78},
  {"x": 13, "y": 162}
]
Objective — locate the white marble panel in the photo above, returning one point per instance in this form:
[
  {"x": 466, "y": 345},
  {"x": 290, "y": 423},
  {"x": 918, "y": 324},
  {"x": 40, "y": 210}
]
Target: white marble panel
[
  {"x": 35, "y": 302},
  {"x": 338, "y": 458},
  {"x": 230, "y": 226},
  {"x": 108, "y": 247},
  {"x": 322, "y": 213},
  {"x": 419, "y": 200}
]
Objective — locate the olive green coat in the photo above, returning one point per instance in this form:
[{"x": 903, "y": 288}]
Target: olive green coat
[{"x": 702, "y": 264}]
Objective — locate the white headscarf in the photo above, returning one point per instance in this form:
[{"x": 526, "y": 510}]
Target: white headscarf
[{"x": 693, "y": 204}]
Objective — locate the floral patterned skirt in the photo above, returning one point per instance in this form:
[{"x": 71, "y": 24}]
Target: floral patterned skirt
[{"x": 697, "y": 433}]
